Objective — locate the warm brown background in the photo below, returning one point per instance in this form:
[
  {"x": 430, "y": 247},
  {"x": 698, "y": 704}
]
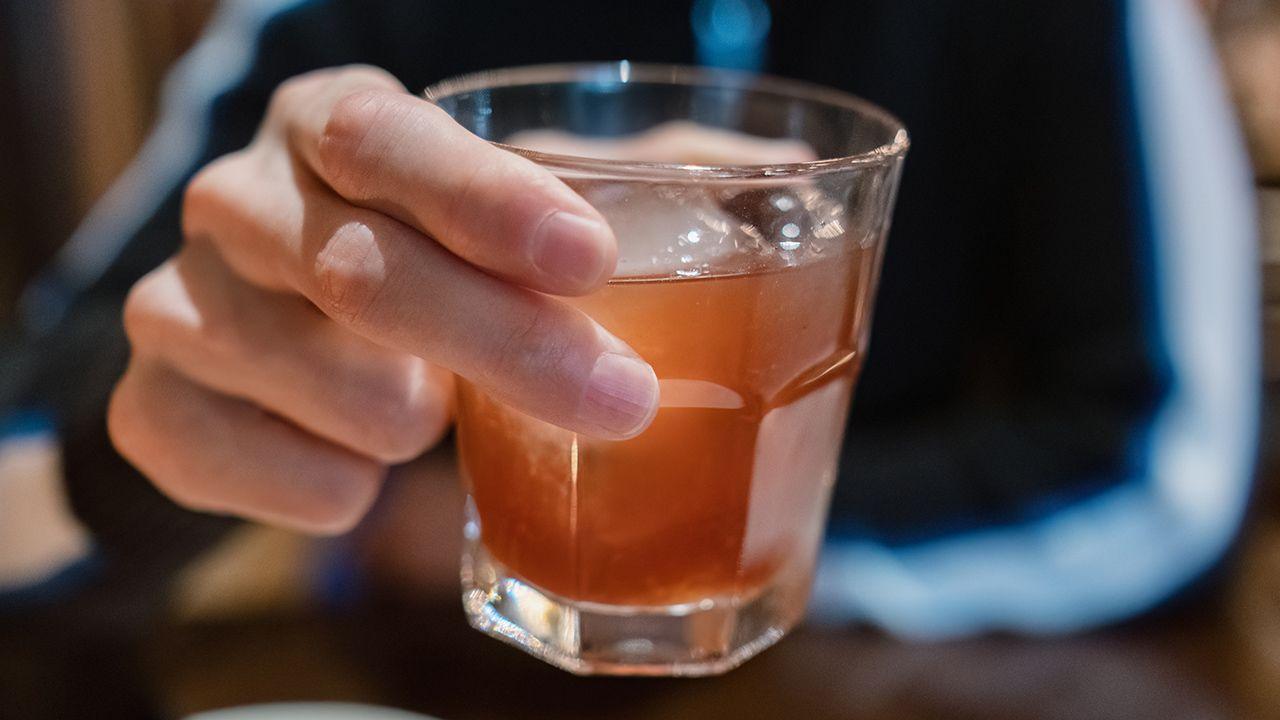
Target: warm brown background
[{"x": 81, "y": 82}]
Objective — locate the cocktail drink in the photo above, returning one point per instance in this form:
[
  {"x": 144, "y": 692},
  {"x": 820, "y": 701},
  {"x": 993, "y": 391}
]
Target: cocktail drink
[
  {"x": 756, "y": 361},
  {"x": 748, "y": 288}
]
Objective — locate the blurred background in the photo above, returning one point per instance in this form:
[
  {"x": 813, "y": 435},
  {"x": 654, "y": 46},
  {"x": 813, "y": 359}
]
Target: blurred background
[
  {"x": 82, "y": 79},
  {"x": 255, "y": 621}
]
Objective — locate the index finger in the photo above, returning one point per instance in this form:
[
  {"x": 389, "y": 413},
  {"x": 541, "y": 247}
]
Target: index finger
[{"x": 405, "y": 157}]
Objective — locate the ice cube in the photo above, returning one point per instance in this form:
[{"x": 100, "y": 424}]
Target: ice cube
[
  {"x": 665, "y": 229},
  {"x": 777, "y": 213}
]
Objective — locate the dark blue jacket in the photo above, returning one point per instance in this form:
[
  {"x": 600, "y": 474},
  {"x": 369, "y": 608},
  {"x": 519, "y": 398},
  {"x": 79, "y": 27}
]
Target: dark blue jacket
[{"x": 1057, "y": 422}]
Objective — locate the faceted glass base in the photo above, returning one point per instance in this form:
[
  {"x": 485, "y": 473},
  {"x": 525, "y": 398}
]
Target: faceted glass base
[{"x": 708, "y": 637}]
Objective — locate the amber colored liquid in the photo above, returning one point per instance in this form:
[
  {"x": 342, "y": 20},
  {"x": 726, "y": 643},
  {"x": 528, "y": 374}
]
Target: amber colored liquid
[{"x": 729, "y": 486}]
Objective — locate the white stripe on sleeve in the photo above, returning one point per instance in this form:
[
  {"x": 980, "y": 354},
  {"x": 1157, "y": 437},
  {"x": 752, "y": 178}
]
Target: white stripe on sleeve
[{"x": 1127, "y": 549}]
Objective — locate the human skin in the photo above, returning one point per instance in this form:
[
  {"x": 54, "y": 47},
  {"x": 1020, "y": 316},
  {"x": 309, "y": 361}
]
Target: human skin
[{"x": 335, "y": 275}]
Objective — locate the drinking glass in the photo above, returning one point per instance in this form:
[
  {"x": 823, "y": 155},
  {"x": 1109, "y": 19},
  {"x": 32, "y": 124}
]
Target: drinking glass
[{"x": 748, "y": 287}]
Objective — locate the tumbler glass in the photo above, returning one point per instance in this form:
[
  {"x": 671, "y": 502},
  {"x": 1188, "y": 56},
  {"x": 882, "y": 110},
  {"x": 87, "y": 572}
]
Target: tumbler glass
[{"x": 747, "y": 283}]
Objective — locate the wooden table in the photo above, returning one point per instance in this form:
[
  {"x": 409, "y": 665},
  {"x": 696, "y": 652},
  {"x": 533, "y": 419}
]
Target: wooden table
[
  {"x": 405, "y": 643},
  {"x": 1194, "y": 663}
]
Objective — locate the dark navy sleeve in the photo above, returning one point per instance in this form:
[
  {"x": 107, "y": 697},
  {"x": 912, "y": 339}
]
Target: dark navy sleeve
[{"x": 1083, "y": 446}]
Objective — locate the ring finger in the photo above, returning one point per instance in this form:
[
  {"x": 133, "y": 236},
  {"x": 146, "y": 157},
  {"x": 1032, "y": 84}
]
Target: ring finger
[{"x": 278, "y": 352}]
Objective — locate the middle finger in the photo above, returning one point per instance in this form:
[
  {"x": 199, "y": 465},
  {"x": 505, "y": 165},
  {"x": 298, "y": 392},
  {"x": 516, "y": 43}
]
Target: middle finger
[{"x": 276, "y": 351}]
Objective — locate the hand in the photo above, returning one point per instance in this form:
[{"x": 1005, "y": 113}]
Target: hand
[{"x": 335, "y": 274}]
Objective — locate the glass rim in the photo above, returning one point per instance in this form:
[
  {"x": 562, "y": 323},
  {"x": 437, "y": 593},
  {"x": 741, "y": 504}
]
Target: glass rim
[{"x": 624, "y": 71}]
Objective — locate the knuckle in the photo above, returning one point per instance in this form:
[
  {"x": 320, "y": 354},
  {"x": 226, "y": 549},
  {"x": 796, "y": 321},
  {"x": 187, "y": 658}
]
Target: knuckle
[
  {"x": 347, "y": 283},
  {"x": 299, "y": 96},
  {"x": 344, "y": 294},
  {"x": 158, "y": 318},
  {"x": 294, "y": 89},
  {"x": 297, "y": 92},
  {"x": 196, "y": 198},
  {"x": 208, "y": 193},
  {"x": 347, "y": 156},
  {"x": 202, "y": 310},
  {"x": 122, "y": 421},
  {"x": 139, "y": 309},
  {"x": 221, "y": 337},
  {"x": 134, "y": 436},
  {"x": 350, "y": 488},
  {"x": 404, "y": 415},
  {"x": 284, "y": 97},
  {"x": 530, "y": 344}
]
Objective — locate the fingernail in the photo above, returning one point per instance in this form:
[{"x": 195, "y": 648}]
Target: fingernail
[
  {"x": 621, "y": 395},
  {"x": 569, "y": 247}
]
